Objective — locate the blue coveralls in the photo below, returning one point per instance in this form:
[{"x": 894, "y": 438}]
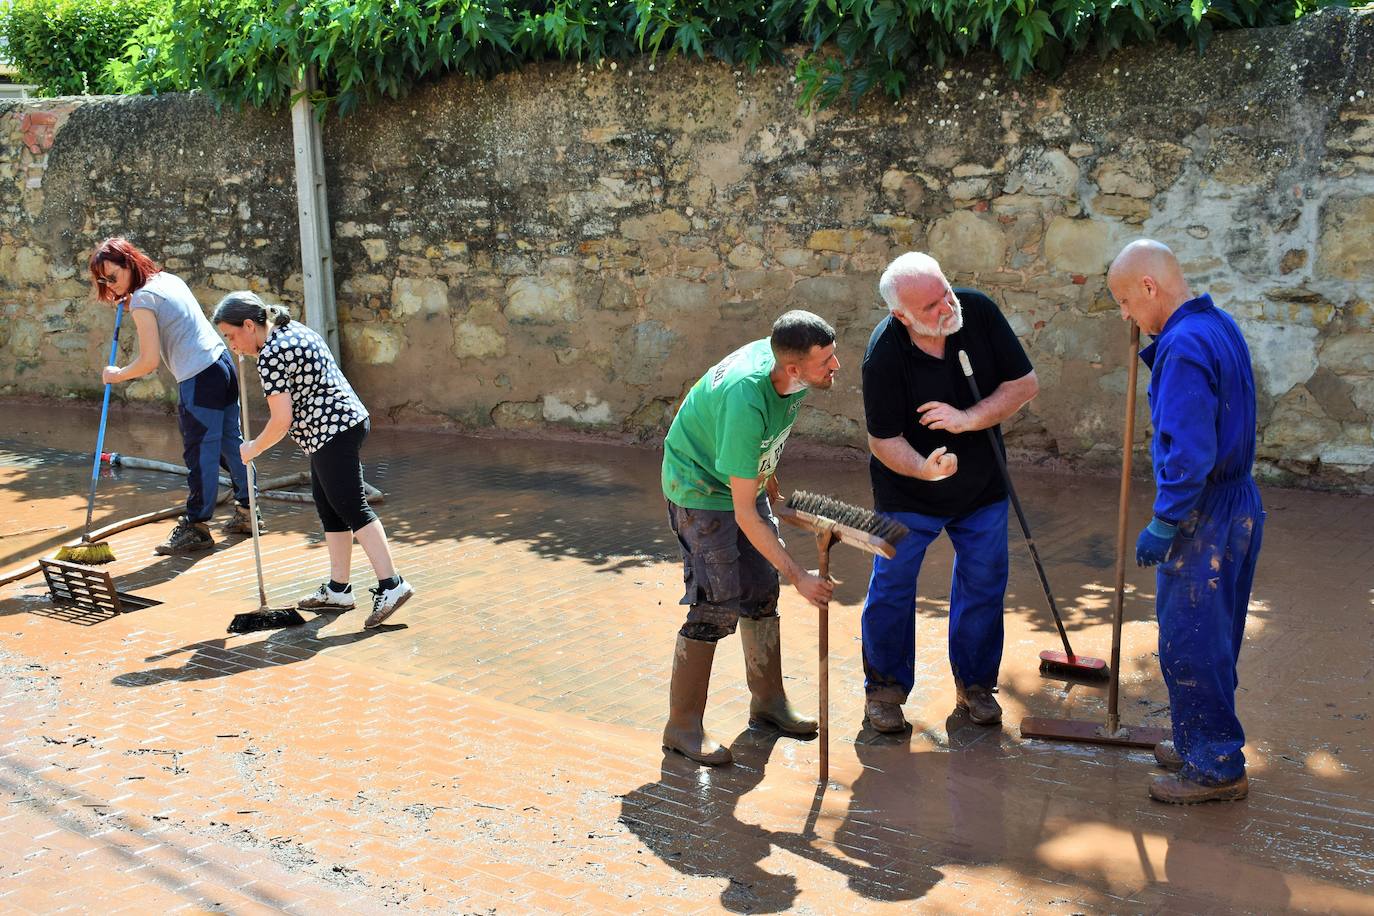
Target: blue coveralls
[{"x": 1202, "y": 406}]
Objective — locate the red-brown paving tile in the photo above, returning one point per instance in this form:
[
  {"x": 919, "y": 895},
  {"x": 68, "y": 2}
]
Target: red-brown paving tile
[{"x": 497, "y": 747}]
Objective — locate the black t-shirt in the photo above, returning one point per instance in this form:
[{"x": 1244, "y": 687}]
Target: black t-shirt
[{"x": 899, "y": 377}]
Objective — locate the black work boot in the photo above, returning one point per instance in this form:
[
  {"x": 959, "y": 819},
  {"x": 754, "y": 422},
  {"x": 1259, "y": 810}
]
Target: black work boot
[
  {"x": 685, "y": 732},
  {"x": 982, "y": 706},
  {"x": 186, "y": 537},
  {"x": 241, "y": 522},
  {"x": 763, "y": 669}
]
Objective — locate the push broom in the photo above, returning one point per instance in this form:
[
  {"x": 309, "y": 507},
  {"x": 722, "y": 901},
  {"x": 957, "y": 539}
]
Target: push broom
[
  {"x": 91, "y": 553},
  {"x": 831, "y": 520},
  {"x": 1051, "y": 662},
  {"x": 264, "y": 618}
]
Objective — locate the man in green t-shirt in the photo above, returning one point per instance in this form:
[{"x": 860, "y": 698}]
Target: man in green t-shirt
[{"x": 719, "y": 461}]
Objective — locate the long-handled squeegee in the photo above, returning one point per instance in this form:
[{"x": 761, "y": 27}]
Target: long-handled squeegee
[{"x": 1112, "y": 732}]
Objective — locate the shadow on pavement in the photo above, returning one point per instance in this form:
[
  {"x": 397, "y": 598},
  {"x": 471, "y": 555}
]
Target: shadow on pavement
[
  {"x": 688, "y": 819},
  {"x": 213, "y": 658}
]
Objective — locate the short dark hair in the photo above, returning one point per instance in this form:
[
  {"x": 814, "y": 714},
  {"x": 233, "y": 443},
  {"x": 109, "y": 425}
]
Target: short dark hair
[{"x": 797, "y": 331}]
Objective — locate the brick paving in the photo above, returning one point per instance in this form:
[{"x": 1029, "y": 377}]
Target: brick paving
[{"x": 496, "y": 747}]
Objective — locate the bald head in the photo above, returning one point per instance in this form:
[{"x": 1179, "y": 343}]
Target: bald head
[
  {"x": 1148, "y": 284},
  {"x": 1146, "y": 257}
]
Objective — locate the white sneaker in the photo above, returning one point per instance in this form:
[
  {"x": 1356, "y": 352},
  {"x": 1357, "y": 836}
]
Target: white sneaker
[
  {"x": 385, "y": 603},
  {"x": 326, "y": 599}
]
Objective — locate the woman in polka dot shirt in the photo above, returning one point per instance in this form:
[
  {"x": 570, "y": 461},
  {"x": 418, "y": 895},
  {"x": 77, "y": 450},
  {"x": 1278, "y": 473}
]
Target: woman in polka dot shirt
[{"x": 309, "y": 397}]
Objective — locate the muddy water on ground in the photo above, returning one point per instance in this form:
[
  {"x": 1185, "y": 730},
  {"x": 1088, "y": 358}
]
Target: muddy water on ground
[{"x": 900, "y": 814}]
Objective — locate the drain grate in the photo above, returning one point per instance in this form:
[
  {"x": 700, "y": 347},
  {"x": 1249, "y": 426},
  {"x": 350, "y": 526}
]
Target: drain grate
[{"x": 92, "y": 590}]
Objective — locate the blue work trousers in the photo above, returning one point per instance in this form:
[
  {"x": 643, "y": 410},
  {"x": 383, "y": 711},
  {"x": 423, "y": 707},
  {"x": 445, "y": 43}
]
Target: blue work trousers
[
  {"x": 976, "y": 597},
  {"x": 208, "y": 414},
  {"x": 1203, "y": 593}
]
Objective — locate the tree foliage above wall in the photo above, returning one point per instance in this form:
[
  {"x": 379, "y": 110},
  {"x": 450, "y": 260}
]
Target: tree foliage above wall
[
  {"x": 63, "y": 46},
  {"x": 247, "y": 52}
]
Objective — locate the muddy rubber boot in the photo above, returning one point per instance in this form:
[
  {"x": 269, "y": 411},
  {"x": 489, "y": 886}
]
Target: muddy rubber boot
[
  {"x": 684, "y": 732},
  {"x": 763, "y": 668}
]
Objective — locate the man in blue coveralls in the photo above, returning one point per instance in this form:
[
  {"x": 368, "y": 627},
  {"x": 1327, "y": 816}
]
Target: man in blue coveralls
[
  {"x": 1208, "y": 522},
  {"x": 921, "y": 414}
]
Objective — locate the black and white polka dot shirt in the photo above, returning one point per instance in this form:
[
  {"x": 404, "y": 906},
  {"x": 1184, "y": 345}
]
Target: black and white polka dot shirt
[{"x": 297, "y": 361}]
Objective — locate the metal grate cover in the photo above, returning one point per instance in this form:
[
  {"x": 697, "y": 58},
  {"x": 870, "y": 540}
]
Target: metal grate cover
[{"x": 86, "y": 589}]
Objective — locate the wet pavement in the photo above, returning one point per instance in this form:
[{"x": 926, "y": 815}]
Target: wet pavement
[{"x": 495, "y": 747}]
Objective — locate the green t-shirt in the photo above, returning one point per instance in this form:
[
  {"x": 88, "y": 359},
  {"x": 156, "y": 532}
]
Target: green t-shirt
[{"x": 733, "y": 423}]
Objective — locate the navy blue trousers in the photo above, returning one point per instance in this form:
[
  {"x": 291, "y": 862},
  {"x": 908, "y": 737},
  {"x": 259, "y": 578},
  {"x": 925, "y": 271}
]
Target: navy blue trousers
[
  {"x": 976, "y": 597},
  {"x": 1203, "y": 594},
  {"x": 208, "y": 414}
]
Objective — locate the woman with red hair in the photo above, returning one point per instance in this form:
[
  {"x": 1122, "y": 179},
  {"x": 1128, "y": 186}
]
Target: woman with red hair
[{"x": 172, "y": 329}]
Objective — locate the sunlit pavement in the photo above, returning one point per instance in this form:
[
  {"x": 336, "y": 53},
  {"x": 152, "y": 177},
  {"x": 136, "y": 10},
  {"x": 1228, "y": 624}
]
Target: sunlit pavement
[{"x": 495, "y": 746}]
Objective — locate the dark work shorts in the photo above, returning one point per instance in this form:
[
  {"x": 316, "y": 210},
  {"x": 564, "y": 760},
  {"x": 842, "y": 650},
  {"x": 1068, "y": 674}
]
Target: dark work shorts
[{"x": 724, "y": 576}]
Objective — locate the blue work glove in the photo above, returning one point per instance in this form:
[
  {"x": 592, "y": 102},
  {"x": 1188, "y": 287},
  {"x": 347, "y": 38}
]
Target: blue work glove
[{"x": 1155, "y": 540}]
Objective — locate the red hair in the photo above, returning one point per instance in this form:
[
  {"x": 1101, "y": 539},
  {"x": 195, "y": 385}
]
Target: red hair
[{"x": 121, "y": 253}]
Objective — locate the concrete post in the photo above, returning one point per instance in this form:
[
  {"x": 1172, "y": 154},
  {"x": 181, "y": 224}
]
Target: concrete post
[{"x": 312, "y": 206}]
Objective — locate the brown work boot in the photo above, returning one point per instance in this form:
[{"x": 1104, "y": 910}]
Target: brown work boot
[
  {"x": 186, "y": 537},
  {"x": 685, "y": 732},
  {"x": 982, "y": 706},
  {"x": 241, "y": 522},
  {"x": 763, "y": 669},
  {"x": 1167, "y": 756},
  {"x": 884, "y": 716},
  {"x": 1175, "y": 790}
]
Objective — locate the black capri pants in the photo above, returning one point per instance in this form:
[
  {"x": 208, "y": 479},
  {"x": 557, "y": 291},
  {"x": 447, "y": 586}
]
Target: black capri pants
[{"x": 336, "y": 480}]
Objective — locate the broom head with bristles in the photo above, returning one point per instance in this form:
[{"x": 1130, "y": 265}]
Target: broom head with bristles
[
  {"x": 87, "y": 554},
  {"x": 1084, "y": 667},
  {"x": 853, "y": 525},
  {"x": 266, "y": 619}
]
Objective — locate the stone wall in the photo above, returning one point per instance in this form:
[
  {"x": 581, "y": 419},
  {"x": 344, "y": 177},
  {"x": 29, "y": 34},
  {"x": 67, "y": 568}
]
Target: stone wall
[{"x": 573, "y": 246}]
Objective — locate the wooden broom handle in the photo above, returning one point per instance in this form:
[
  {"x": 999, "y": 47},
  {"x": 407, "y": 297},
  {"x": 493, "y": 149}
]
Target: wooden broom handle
[
  {"x": 252, "y": 486},
  {"x": 1122, "y": 512},
  {"x": 824, "y": 541}
]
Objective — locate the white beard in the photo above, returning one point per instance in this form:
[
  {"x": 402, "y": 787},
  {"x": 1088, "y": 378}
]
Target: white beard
[{"x": 947, "y": 326}]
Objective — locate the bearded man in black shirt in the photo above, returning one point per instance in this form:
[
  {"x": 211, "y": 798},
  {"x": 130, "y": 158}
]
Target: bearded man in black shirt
[{"x": 933, "y": 468}]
